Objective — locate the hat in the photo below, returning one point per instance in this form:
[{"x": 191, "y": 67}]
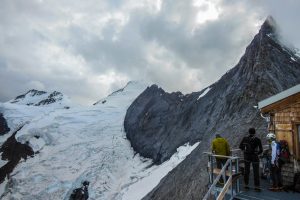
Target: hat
[
  {"x": 271, "y": 136},
  {"x": 85, "y": 183},
  {"x": 251, "y": 131}
]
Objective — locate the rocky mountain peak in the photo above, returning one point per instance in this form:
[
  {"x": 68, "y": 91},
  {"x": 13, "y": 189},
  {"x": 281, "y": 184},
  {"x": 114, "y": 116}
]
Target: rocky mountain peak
[
  {"x": 129, "y": 88},
  {"x": 264, "y": 58},
  {"x": 31, "y": 93},
  {"x": 269, "y": 26},
  {"x": 157, "y": 124},
  {"x": 39, "y": 98}
]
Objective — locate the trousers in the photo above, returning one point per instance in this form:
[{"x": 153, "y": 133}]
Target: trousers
[
  {"x": 276, "y": 176},
  {"x": 252, "y": 158}
]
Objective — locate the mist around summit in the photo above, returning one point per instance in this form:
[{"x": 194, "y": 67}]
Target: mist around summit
[{"x": 87, "y": 50}]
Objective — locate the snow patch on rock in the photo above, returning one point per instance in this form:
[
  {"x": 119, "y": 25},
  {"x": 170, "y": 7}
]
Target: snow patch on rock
[
  {"x": 154, "y": 174},
  {"x": 204, "y": 93}
]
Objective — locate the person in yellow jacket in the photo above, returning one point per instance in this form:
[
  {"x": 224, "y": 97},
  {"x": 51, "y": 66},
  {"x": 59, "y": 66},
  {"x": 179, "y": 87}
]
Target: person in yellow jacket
[{"x": 220, "y": 146}]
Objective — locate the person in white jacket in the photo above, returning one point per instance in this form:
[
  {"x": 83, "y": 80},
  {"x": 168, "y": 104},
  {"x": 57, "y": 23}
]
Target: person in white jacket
[{"x": 275, "y": 165}]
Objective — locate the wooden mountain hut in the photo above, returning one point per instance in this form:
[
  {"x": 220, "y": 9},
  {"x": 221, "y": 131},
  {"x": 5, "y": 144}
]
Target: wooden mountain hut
[{"x": 282, "y": 112}]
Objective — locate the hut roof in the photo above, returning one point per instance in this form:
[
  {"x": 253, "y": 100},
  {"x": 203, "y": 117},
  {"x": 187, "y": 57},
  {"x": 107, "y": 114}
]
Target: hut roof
[{"x": 281, "y": 99}]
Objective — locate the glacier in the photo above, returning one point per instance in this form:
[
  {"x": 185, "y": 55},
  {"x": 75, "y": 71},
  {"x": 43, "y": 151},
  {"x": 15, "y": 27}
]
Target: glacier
[{"x": 81, "y": 143}]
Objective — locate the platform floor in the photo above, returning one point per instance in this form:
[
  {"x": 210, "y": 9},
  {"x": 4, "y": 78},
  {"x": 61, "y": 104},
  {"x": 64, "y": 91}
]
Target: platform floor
[{"x": 265, "y": 193}]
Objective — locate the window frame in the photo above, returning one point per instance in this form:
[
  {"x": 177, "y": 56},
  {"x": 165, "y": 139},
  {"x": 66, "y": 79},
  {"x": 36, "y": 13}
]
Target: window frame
[{"x": 296, "y": 140}]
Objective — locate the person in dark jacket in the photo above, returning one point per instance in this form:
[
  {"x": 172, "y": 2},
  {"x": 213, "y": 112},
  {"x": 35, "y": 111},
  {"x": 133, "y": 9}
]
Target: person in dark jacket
[
  {"x": 251, "y": 146},
  {"x": 81, "y": 193}
]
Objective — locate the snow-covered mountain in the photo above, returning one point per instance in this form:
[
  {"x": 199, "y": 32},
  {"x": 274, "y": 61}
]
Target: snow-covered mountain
[
  {"x": 77, "y": 144},
  {"x": 41, "y": 98},
  {"x": 127, "y": 94}
]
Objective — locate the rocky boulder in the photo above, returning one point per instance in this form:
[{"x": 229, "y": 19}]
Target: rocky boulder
[{"x": 3, "y": 125}]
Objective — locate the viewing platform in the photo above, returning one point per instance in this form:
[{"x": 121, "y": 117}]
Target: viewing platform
[{"x": 233, "y": 187}]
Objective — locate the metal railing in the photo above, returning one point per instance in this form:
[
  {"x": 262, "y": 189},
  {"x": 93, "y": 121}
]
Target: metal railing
[{"x": 230, "y": 170}]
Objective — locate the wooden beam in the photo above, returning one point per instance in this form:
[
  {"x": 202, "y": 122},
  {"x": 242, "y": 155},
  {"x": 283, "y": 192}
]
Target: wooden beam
[
  {"x": 284, "y": 130},
  {"x": 218, "y": 171},
  {"x": 225, "y": 189}
]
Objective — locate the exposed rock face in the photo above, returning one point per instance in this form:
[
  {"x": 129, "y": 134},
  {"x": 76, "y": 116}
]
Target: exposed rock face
[
  {"x": 52, "y": 98},
  {"x": 38, "y": 98},
  {"x": 30, "y": 93},
  {"x": 157, "y": 122},
  {"x": 3, "y": 125},
  {"x": 13, "y": 151}
]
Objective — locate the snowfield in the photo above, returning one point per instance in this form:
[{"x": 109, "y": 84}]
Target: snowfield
[{"x": 77, "y": 144}]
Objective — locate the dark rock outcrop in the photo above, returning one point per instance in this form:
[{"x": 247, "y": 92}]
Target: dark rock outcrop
[
  {"x": 31, "y": 93},
  {"x": 157, "y": 122},
  {"x": 13, "y": 151},
  {"x": 38, "y": 98},
  {"x": 3, "y": 125},
  {"x": 52, "y": 98}
]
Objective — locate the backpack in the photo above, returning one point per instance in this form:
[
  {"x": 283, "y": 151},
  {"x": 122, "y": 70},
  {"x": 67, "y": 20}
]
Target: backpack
[
  {"x": 248, "y": 148},
  {"x": 284, "y": 153},
  {"x": 77, "y": 194}
]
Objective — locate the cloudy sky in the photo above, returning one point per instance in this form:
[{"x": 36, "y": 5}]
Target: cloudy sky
[{"x": 87, "y": 49}]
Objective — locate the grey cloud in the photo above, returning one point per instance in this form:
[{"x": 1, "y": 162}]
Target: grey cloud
[
  {"x": 68, "y": 45},
  {"x": 205, "y": 50}
]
